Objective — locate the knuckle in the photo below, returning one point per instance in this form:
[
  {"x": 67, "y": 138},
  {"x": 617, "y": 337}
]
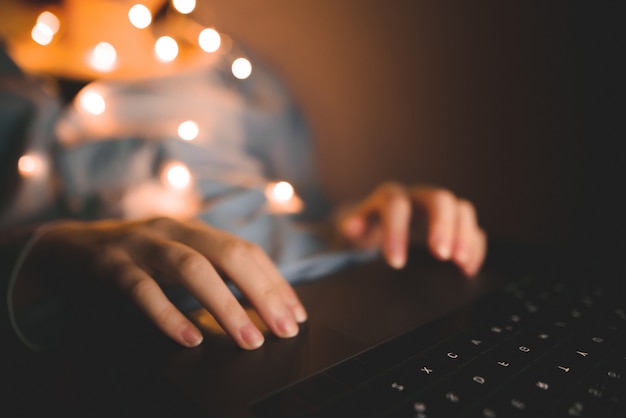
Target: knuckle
[
  {"x": 189, "y": 263},
  {"x": 136, "y": 289},
  {"x": 234, "y": 250},
  {"x": 165, "y": 316},
  {"x": 162, "y": 223},
  {"x": 391, "y": 188},
  {"x": 268, "y": 292},
  {"x": 230, "y": 308},
  {"x": 443, "y": 197},
  {"x": 255, "y": 250},
  {"x": 467, "y": 206}
]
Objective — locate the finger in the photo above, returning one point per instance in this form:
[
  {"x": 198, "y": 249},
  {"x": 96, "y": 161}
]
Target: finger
[
  {"x": 467, "y": 236},
  {"x": 440, "y": 208},
  {"x": 383, "y": 219},
  {"x": 478, "y": 253},
  {"x": 287, "y": 292},
  {"x": 395, "y": 212},
  {"x": 237, "y": 259},
  {"x": 144, "y": 292},
  {"x": 191, "y": 269}
]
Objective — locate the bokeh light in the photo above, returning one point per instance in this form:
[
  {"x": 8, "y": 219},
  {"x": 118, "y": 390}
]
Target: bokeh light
[
  {"x": 188, "y": 130},
  {"x": 282, "y": 191},
  {"x": 184, "y": 6},
  {"x": 103, "y": 57},
  {"x": 42, "y": 34},
  {"x": 176, "y": 175},
  {"x": 50, "y": 20},
  {"x": 140, "y": 16},
  {"x": 166, "y": 48},
  {"x": 92, "y": 102},
  {"x": 209, "y": 40},
  {"x": 28, "y": 165},
  {"x": 242, "y": 68}
]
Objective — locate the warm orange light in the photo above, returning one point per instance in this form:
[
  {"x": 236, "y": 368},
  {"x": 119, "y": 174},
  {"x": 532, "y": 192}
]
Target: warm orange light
[
  {"x": 28, "y": 165},
  {"x": 176, "y": 175},
  {"x": 242, "y": 68},
  {"x": 92, "y": 102},
  {"x": 103, "y": 57},
  {"x": 281, "y": 198},
  {"x": 140, "y": 16},
  {"x": 42, "y": 34},
  {"x": 188, "y": 130},
  {"x": 184, "y": 6},
  {"x": 50, "y": 20},
  {"x": 166, "y": 48},
  {"x": 209, "y": 40},
  {"x": 282, "y": 191}
]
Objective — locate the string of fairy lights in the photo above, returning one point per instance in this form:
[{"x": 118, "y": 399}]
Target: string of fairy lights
[
  {"x": 104, "y": 55},
  {"x": 104, "y": 58}
]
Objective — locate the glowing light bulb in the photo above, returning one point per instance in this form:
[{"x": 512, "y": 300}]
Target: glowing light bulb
[
  {"x": 42, "y": 34},
  {"x": 184, "y": 6},
  {"x": 281, "y": 198},
  {"x": 50, "y": 20},
  {"x": 166, "y": 48},
  {"x": 176, "y": 175},
  {"x": 140, "y": 16},
  {"x": 209, "y": 40},
  {"x": 282, "y": 191},
  {"x": 28, "y": 165},
  {"x": 103, "y": 57},
  {"x": 241, "y": 68},
  {"x": 188, "y": 130},
  {"x": 93, "y": 102}
]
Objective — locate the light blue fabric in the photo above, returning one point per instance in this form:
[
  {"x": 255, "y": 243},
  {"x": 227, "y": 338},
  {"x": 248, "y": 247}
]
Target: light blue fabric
[{"x": 250, "y": 133}]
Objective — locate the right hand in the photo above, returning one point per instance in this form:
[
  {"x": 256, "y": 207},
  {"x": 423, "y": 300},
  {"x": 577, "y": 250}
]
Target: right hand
[{"x": 190, "y": 253}]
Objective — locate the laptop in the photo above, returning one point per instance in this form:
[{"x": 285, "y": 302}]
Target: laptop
[{"x": 376, "y": 331}]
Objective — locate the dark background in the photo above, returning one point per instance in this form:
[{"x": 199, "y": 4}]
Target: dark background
[{"x": 517, "y": 106}]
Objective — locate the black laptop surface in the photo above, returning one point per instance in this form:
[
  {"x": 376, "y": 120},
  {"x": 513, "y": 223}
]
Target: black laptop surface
[{"x": 527, "y": 340}]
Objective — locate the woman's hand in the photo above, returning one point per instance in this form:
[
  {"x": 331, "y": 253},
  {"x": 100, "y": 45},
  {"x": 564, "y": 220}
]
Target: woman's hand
[
  {"x": 387, "y": 217},
  {"x": 138, "y": 257}
]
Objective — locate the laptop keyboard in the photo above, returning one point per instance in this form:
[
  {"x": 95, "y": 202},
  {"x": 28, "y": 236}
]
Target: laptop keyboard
[{"x": 552, "y": 348}]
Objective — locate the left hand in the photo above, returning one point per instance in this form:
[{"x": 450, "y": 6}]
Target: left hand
[{"x": 388, "y": 215}]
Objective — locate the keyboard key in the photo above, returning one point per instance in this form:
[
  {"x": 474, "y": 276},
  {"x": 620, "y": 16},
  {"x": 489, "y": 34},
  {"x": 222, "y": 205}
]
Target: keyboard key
[{"x": 540, "y": 348}]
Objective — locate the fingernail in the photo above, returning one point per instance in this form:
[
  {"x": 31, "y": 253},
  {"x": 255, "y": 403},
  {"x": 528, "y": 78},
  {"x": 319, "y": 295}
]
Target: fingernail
[
  {"x": 299, "y": 313},
  {"x": 251, "y": 336},
  {"x": 443, "y": 251},
  {"x": 397, "y": 261},
  {"x": 287, "y": 327},
  {"x": 396, "y": 255},
  {"x": 191, "y": 336}
]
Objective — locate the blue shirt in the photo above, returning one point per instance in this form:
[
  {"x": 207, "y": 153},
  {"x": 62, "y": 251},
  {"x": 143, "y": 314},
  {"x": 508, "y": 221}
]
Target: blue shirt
[{"x": 110, "y": 164}]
